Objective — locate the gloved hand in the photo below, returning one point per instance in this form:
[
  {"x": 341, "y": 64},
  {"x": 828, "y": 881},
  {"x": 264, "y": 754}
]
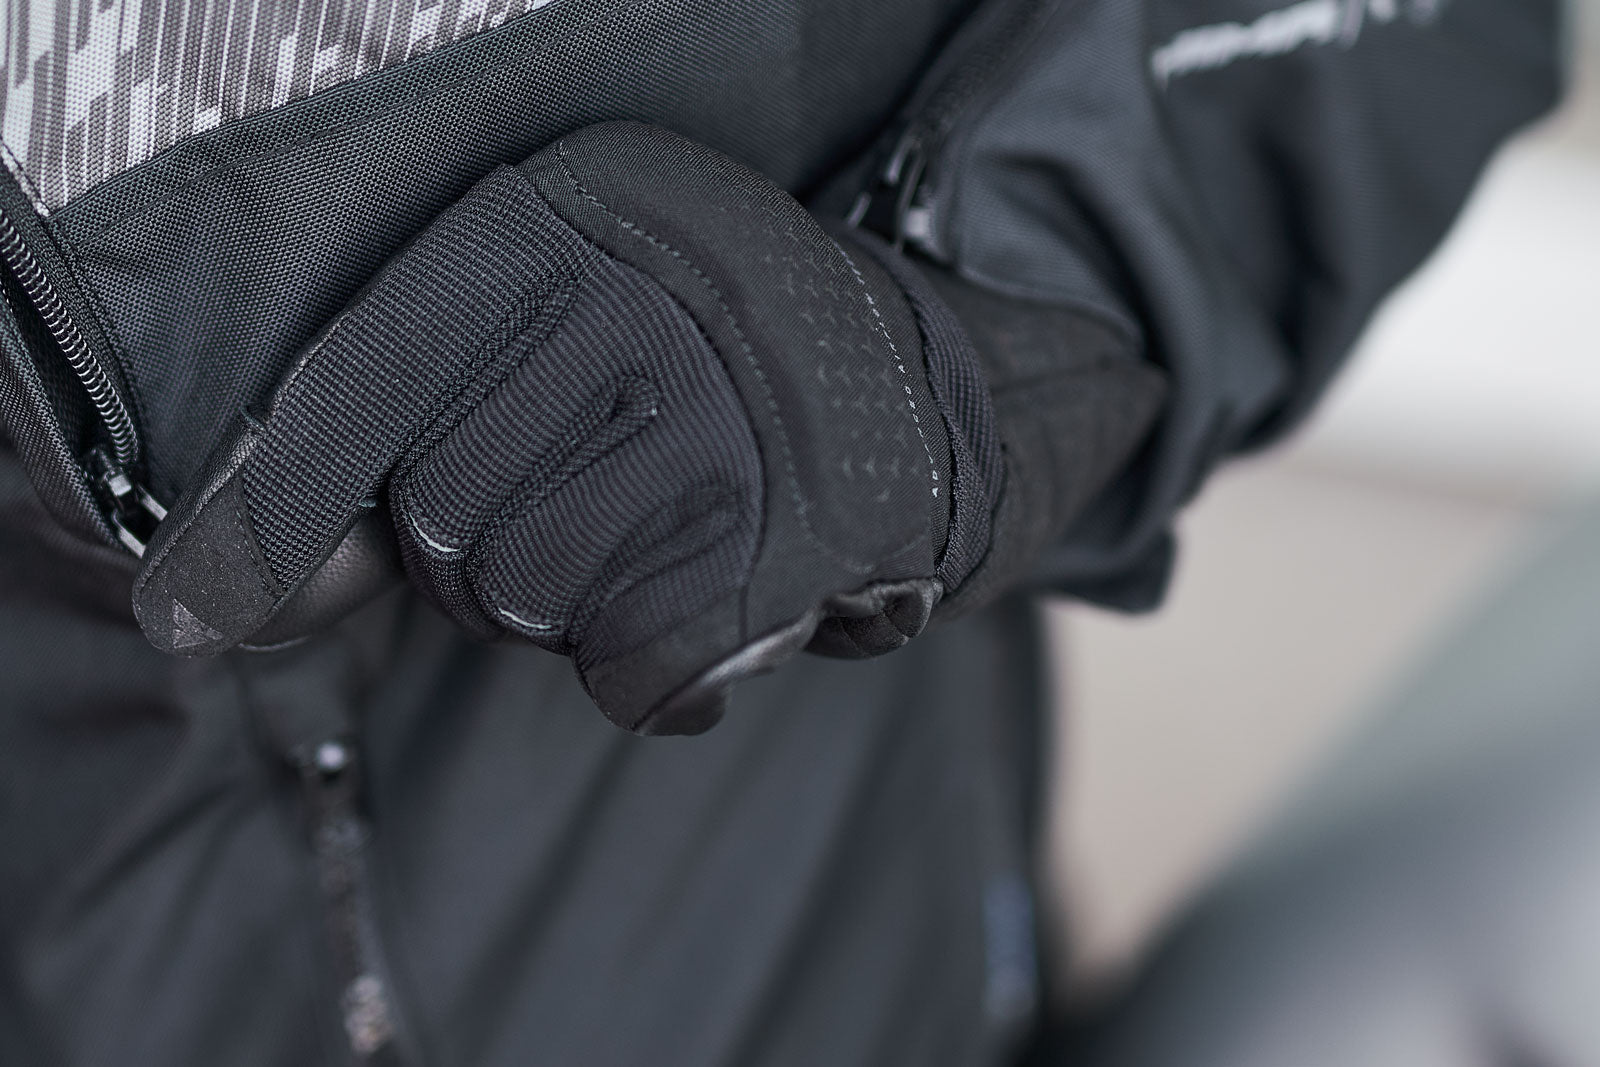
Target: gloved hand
[{"x": 630, "y": 402}]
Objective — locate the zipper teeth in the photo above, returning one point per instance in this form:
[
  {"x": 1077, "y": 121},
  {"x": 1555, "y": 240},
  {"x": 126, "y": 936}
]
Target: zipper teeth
[
  {"x": 934, "y": 113},
  {"x": 944, "y": 106},
  {"x": 102, "y": 393}
]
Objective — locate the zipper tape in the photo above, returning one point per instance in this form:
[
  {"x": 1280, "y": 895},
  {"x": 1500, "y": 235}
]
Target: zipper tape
[
  {"x": 896, "y": 204},
  {"x": 130, "y": 509},
  {"x": 103, "y": 394}
]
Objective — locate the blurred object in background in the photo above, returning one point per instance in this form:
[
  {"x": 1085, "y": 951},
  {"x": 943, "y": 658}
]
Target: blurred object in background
[
  {"x": 1433, "y": 898},
  {"x": 1309, "y": 578}
]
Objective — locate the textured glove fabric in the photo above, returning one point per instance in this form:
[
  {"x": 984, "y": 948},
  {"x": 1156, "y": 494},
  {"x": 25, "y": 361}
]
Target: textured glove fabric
[{"x": 629, "y": 402}]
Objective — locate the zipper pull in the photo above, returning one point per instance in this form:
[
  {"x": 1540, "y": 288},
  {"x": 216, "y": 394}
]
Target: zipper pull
[
  {"x": 133, "y": 512},
  {"x": 890, "y": 206}
]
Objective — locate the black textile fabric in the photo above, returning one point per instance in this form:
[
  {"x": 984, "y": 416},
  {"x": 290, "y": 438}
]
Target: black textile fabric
[
  {"x": 211, "y": 266},
  {"x": 46, "y": 426},
  {"x": 515, "y": 363},
  {"x": 454, "y": 308},
  {"x": 762, "y": 278},
  {"x": 629, "y": 401},
  {"x": 1242, "y": 220},
  {"x": 1074, "y": 400},
  {"x": 961, "y": 396},
  {"x": 806, "y": 884},
  {"x": 811, "y": 882},
  {"x": 526, "y": 469}
]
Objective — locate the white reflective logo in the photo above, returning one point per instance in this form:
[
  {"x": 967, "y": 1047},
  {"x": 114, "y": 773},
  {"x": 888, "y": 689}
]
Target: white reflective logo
[{"x": 1308, "y": 24}]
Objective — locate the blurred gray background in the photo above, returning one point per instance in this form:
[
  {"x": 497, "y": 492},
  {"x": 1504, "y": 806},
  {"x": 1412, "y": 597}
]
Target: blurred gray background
[{"x": 1468, "y": 422}]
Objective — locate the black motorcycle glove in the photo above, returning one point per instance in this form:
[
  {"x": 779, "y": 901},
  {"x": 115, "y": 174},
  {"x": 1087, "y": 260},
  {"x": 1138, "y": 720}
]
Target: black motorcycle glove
[{"x": 630, "y": 402}]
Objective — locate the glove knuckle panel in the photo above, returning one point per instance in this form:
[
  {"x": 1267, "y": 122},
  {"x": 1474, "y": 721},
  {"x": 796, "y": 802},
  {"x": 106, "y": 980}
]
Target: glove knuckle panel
[{"x": 847, "y": 471}]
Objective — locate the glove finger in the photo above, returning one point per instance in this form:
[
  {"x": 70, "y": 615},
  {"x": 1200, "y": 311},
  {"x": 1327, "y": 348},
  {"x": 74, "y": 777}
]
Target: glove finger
[
  {"x": 624, "y": 534},
  {"x": 596, "y": 380},
  {"x": 470, "y": 294},
  {"x": 599, "y": 570}
]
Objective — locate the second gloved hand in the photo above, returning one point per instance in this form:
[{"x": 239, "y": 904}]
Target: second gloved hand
[{"x": 630, "y": 402}]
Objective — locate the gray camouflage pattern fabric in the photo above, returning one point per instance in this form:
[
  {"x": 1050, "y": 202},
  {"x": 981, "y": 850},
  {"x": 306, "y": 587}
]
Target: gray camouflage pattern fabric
[{"x": 90, "y": 88}]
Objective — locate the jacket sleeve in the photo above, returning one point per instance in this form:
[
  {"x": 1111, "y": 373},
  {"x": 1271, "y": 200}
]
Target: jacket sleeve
[{"x": 1235, "y": 184}]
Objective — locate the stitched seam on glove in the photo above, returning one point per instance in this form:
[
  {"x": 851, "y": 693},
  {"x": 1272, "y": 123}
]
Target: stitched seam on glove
[
  {"x": 258, "y": 562},
  {"x": 910, "y": 404},
  {"x": 801, "y": 504},
  {"x": 553, "y": 471},
  {"x": 529, "y": 340}
]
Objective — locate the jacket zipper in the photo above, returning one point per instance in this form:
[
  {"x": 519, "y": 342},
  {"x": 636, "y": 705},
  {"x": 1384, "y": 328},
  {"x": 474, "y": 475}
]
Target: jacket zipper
[
  {"x": 130, "y": 508},
  {"x": 330, "y": 776},
  {"x": 898, "y": 202}
]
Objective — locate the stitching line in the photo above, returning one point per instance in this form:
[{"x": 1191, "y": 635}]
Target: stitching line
[
  {"x": 801, "y": 505},
  {"x": 547, "y": 311},
  {"x": 263, "y": 569},
  {"x": 153, "y": 560},
  {"x": 536, "y": 627},
  {"x": 362, "y": 314},
  {"x": 116, "y": 347},
  {"x": 883, "y": 331},
  {"x": 438, "y": 546}
]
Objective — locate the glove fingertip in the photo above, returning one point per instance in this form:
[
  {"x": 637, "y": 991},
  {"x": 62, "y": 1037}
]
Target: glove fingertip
[
  {"x": 206, "y": 587},
  {"x": 687, "y": 717},
  {"x": 876, "y": 620},
  {"x": 649, "y": 692}
]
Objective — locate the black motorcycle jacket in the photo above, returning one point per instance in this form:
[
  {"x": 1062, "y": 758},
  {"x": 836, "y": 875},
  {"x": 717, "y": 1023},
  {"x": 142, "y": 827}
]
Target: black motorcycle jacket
[{"x": 309, "y": 296}]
